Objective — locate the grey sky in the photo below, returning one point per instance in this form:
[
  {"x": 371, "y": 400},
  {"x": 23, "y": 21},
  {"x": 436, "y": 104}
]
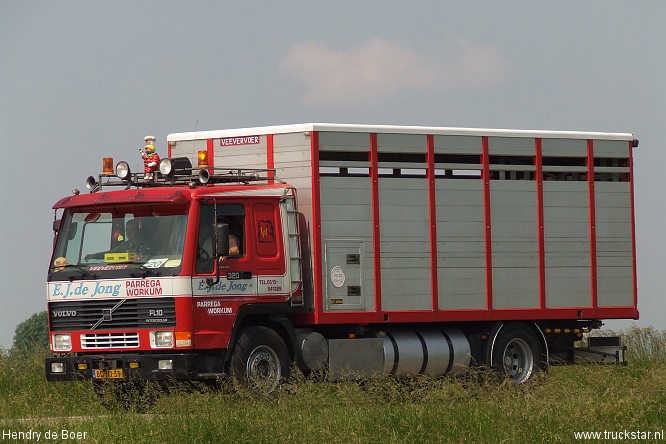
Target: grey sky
[{"x": 87, "y": 79}]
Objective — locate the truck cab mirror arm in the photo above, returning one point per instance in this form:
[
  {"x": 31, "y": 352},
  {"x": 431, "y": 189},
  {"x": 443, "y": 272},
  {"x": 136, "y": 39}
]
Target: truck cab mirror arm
[{"x": 220, "y": 249}]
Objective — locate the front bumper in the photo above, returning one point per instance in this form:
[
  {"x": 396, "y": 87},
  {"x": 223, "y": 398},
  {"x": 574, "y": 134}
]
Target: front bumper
[{"x": 184, "y": 366}]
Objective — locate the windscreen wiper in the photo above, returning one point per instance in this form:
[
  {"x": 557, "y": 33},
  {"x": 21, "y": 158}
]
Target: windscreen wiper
[
  {"x": 145, "y": 271},
  {"x": 71, "y": 277}
]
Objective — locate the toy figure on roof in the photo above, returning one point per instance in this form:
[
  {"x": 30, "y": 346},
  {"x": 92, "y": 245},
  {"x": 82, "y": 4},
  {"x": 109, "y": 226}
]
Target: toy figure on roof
[{"x": 151, "y": 160}]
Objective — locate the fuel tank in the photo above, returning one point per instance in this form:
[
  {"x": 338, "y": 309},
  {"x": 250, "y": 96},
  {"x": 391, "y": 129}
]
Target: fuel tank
[{"x": 430, "y": 351}]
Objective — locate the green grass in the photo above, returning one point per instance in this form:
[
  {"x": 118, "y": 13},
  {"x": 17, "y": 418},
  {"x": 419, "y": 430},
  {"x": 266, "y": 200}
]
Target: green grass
[{"x": 475, "y": 409}]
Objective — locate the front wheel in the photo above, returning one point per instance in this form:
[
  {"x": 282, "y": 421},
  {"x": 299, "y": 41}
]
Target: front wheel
[
  {"x": 260, "y": 359},
  {"x": 517, "y": 353}
]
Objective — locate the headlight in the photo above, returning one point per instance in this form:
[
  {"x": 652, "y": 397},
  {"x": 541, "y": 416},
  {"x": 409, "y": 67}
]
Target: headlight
[
  {"x": 62, "y": 342},
  {"x": 165, "y": 364},
  {"x": 175, "y": 166},
  {"x": 123, "y": 170},
  {"x": 161, "y": 339},
  {"x": 166, "y": 167},
  {"x": 57, "y": 367}
]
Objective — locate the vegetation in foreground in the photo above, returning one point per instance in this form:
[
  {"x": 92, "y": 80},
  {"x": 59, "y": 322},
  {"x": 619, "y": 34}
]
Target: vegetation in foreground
[{"x": 474, "y": 409}]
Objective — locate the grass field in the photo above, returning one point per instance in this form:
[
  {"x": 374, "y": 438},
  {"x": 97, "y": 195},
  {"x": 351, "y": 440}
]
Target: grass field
[{"x": 590, "y": 398}]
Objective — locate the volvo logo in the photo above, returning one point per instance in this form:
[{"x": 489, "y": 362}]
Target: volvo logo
[
  {"x": 63, "y": 313},
  {"x": 107, "y": 314}
]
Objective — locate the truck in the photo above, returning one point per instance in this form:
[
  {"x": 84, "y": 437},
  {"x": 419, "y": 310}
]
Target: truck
[{"x": 359, "y": 251}]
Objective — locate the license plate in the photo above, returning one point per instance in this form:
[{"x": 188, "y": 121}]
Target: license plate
[{"x": 115, "y": 373}]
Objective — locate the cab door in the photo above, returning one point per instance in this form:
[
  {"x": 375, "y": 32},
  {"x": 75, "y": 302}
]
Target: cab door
[
  {"x": 237, "y": 270},
  {"x": 268, "y": 240},
  {"x": 217, "y": 302}
]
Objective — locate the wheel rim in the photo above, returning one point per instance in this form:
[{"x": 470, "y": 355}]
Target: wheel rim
[
  {"x": 263, "y": 368},
  {"x": 518, "y": 360}
]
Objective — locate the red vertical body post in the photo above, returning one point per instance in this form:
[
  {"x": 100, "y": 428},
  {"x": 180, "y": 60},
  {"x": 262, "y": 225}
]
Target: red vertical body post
[
  {"x": 538, "y": 164},
  {"x": 376, "y": 240},
  {"x": 270, "y": 157},
  {"x": 593, "y": 228},
  {"x": 485, "y": 160},
  {"x": 432, "y": 204},
  {"x": 318, "y": 270},
  {"x": 210, "y": 149},
  {"x": 633, "y": 227}
]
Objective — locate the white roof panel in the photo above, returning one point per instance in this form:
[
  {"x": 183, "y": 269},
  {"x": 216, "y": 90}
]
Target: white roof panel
[{"x": 395, "y": 129}]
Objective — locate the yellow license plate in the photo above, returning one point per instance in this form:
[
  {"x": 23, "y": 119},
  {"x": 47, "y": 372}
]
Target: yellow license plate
[
  {"x": 116, "y": 257},
  {"x": 115, "y": 373}
]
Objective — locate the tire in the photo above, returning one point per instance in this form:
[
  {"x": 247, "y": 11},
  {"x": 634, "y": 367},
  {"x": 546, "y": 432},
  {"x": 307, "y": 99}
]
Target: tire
[
  {"x": 260, "y": 360},
  {"x": 517, "y": 353}
]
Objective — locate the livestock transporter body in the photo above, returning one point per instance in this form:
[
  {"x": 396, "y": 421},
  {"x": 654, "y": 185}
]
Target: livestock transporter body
[{"x": 354, "y": 249}]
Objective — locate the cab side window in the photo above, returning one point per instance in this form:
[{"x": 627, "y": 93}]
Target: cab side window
[{"x": 230, "y": 214}]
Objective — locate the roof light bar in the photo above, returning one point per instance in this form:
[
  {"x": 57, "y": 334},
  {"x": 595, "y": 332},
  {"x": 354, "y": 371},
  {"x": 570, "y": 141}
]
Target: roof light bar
[
  {"x": 177, "y": 166},
  {"x": 123, "y": 170}
]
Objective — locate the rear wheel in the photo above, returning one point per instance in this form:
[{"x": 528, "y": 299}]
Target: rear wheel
[
  {"x": 517, "y": 353},
  {"x": 260, "y": 359}
]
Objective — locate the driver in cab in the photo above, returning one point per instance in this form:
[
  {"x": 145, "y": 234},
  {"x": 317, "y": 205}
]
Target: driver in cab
[{"x": 131, "y": 243}]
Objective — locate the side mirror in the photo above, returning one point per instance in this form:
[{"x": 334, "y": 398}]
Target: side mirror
[
  {"x": 56, "y": 225},
  {"x": 222, "y": 240},
  {"x": 72, "y": 231},
  {"x": 220, "y": 248}
]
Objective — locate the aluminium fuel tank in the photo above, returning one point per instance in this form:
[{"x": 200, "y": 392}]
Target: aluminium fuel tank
[{"x": 430, "y": 351}]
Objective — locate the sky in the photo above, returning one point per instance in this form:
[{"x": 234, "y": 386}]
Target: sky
[{"x": 82, "y": 80}]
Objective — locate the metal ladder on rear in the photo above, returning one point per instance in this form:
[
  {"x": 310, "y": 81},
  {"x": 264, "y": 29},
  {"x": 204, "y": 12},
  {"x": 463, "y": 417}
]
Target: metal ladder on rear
[{"x": 294, "y": 238}]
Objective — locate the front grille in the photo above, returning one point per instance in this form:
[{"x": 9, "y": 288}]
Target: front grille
[
  {"x": 110, "y": 340},
  {"x": 112, "y": 314}
]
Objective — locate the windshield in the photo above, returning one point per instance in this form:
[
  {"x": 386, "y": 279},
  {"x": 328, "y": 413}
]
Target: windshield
[{"x": 120, "y": 241}]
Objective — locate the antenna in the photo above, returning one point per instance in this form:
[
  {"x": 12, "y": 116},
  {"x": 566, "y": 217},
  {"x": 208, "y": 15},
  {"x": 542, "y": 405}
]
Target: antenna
[{"x": 196, "y": 129}]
